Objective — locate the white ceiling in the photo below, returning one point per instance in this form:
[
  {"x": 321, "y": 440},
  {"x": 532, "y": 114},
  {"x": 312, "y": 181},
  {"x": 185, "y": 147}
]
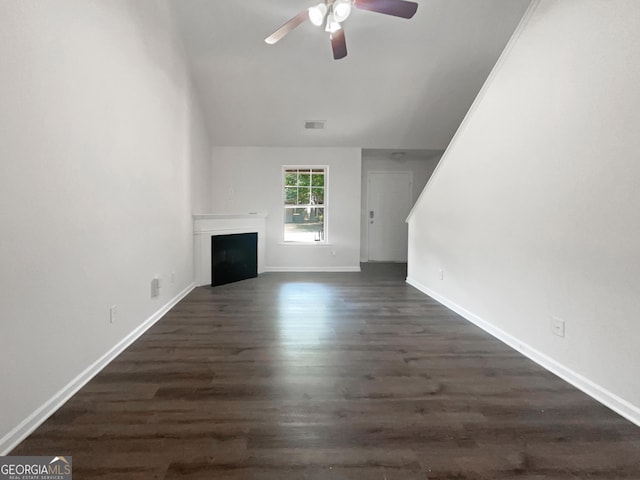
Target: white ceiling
[{"x": 406, "y": 84}]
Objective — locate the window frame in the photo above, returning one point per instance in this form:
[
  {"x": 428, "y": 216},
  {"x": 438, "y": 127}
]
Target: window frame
[{"x": 324, "y": 206}]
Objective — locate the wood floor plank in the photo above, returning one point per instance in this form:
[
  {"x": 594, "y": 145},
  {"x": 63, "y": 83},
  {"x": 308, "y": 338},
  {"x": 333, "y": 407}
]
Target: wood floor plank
[{"x": 331, "y": 376}]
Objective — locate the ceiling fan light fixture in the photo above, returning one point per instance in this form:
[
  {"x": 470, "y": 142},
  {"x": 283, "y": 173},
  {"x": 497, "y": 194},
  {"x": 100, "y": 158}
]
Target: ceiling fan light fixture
[
  {"x": 332, "y": 25},
  {"x": 341, "y": 10},
  {"x": 317, "y": 14}
]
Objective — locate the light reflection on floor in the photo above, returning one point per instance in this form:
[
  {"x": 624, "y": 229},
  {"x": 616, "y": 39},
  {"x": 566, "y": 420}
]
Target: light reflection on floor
[
  {"x": 306, "y": 367},
  {"x": 303, "y": 313}
]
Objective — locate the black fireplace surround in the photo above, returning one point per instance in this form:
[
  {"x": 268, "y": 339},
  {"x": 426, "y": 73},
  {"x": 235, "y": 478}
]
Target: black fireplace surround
[{"x": 234, "y": 257}]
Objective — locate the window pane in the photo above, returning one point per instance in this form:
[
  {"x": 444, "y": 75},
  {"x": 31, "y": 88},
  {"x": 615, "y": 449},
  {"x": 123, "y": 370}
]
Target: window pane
[
  {"x": 317, "y": 180},
  {"x": 290, "y": 179},
  {"x": 303, "y": 196},
  {"x": 317, "y": 196},
  {"x": 304, "y": 179},
  {"x": 304, "y": 224},
  {"x": 290, "y": 195}
]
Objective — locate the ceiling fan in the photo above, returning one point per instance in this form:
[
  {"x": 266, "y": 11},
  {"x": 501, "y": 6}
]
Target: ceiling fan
[{"x": 332, "y": 13}]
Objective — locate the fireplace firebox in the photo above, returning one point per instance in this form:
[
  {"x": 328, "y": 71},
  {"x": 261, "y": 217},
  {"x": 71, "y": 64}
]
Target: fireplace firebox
[{"x": 234, "y": 257}]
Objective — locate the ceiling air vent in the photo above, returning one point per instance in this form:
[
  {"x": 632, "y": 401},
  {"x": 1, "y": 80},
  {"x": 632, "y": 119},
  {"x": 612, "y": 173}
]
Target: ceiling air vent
[{"x": 315, "y": 124}]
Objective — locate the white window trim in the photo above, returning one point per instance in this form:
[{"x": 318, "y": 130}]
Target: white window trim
[{"x": 325, "y": 205}]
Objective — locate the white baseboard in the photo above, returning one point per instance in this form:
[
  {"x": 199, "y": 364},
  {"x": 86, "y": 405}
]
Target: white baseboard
[
  {"x": 619, "y": 405},
  {"x": 312, "y": 269},
  {"x": 33, "y": 421}
]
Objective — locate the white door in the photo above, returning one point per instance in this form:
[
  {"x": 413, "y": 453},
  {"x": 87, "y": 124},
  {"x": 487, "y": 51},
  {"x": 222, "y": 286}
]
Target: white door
[{"x": 389, "y": 196}]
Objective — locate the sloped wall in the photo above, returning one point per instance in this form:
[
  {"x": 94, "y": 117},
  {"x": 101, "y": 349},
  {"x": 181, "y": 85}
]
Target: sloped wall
[
  {"x": 532, "y": 215},
  {"x": 100, "y": 142}
]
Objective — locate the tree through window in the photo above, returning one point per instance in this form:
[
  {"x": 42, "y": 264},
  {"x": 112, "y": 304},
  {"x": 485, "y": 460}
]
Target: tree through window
[{"x": 304, "y": 204}]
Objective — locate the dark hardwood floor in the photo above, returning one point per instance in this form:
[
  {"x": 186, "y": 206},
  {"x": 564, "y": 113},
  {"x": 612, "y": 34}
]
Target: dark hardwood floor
[{"x": 330, "y": 376}]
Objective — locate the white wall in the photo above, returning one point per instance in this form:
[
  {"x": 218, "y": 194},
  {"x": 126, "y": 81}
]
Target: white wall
[
  {"x": 199, "y": 152},
  {"x": 533, "y": 211},
  {"x": 421, "y": 166},
  {"x": 249, "y": 179},
  {"x": 99, "y": 143}
]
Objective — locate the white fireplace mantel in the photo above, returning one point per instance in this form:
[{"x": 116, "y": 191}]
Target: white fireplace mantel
[{"x": 209, "y": 224}]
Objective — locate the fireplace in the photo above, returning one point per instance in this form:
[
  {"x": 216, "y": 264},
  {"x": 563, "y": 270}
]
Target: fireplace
[
  {"x": 208, "y": 225},
  {"x": 234, "y": 257}
]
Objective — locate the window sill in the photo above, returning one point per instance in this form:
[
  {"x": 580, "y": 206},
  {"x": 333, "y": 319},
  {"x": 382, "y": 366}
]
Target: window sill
[{"x": 306, "y": 244}]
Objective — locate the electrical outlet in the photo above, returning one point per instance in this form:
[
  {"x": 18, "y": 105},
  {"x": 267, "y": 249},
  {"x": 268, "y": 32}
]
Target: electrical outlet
[
  {"x": 155, "y": 287},
  {"x": 113, "y": 313},
  {"x": 441, "y": 273},
  {"x": 173, "y": 277},
  {"x": 557, "y": 327}
]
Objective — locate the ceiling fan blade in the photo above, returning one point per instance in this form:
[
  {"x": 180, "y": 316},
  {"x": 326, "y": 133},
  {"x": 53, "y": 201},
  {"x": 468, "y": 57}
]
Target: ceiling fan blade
[
  {"x": 397, "y": 8},
  {"x": 339, "y": 44},
  {"x": 287, "y": 27}
]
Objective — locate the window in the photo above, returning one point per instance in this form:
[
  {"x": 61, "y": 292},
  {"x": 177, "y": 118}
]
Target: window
[{"x": 304, "y": 204}]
